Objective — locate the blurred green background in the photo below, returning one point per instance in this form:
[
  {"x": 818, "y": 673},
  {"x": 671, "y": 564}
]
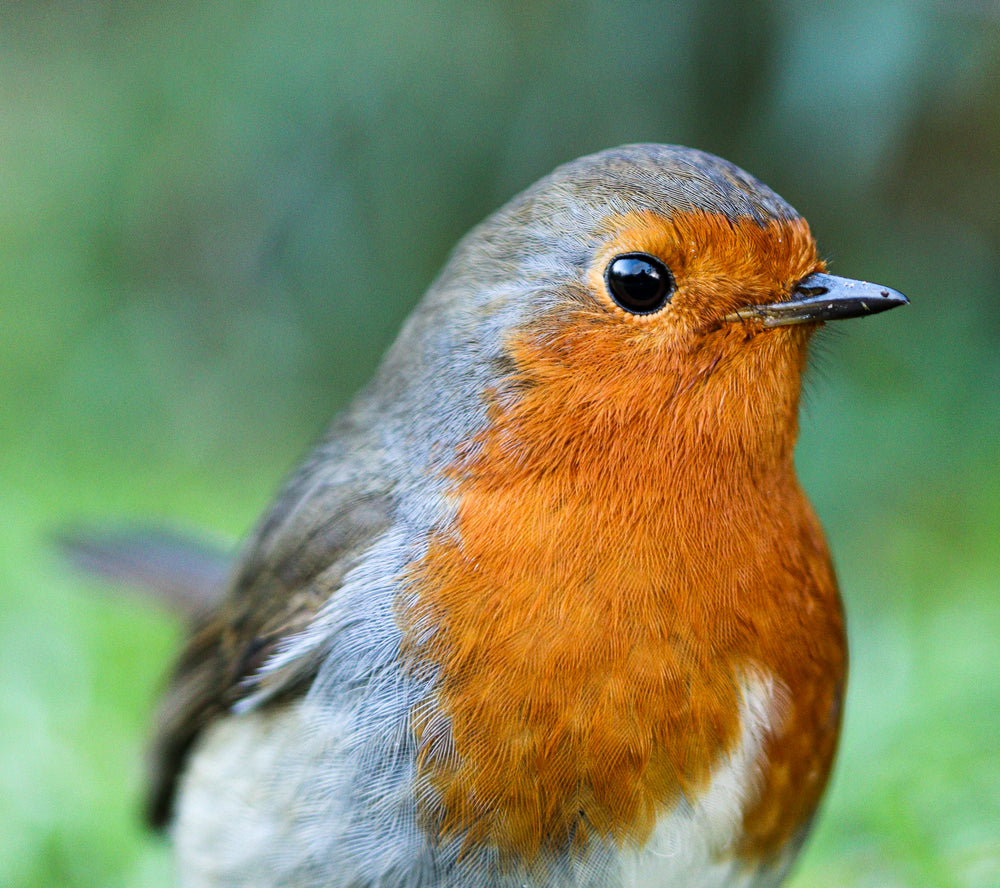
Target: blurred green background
[{"x": 216, "y": 214}]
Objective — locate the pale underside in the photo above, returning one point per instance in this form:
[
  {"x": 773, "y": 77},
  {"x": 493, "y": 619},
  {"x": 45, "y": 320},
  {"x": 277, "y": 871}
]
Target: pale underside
[{"x": 267, "y": 795}]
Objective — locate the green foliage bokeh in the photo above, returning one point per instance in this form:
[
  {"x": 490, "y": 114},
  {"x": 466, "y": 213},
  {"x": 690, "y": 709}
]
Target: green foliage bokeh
[{"x": 214, "y": 216}]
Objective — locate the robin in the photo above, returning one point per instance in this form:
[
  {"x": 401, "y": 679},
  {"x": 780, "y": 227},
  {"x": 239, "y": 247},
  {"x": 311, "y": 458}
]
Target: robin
[{"x": 547, "y": 606}]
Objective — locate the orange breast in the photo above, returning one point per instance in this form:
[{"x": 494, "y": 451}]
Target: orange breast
[{"x": 614, "y": 570}]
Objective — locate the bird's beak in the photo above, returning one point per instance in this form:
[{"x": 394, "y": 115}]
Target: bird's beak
[{"x": 822, "y": 297}]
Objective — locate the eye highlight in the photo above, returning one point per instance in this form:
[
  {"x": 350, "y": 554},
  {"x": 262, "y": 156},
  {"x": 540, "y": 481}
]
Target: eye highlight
[{"x": 639, "y": 283}]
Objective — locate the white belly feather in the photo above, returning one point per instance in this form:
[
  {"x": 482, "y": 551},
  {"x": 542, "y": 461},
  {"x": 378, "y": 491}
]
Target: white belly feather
[{"x": 263, "y": 804}]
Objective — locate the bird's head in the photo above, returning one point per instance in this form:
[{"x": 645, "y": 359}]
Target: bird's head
[{"x": 652, "y": 288}]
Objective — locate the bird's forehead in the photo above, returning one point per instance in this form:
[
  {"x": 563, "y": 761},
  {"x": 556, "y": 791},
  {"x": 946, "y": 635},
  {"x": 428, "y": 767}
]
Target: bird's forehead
[{"x": 700, "y": 243}]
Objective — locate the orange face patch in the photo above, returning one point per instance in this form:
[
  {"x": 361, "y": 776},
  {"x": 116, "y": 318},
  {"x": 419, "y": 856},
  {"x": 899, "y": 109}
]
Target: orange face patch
[
  {"x": 719, "y": 264},
  {"x": 630, "y": 540}
]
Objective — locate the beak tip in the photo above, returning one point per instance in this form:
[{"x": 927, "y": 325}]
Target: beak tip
[
  {"x": 894, "y": 295},
  {"x": 889, "y": 299}
]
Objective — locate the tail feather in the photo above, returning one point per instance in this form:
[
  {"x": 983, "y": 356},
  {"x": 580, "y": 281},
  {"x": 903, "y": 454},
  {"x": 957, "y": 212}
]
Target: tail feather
[{"x": 178, "y": 569}]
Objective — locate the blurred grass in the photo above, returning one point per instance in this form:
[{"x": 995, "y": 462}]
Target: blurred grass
[{"x": 215, "y": 216}]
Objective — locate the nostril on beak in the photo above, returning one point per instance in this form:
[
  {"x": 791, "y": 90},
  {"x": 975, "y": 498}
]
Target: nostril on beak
[{"x": 813, "y": 291}]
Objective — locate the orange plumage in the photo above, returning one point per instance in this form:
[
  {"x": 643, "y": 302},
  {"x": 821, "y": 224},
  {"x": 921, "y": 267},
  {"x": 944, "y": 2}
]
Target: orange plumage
[{"x": 630, "y": 538}]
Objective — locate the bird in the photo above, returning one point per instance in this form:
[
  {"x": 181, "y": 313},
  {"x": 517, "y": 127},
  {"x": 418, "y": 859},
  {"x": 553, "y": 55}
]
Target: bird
[{"x": 546, "y": 607}]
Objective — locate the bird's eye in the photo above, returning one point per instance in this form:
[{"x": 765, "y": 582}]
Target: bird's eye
[{"x": 639, "y": 283}]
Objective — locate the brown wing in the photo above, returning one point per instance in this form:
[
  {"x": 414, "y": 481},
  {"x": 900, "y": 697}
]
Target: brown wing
[{"x": 296, "y": 561}]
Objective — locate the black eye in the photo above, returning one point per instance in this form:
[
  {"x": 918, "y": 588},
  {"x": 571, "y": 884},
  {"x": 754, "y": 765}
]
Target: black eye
[{"x": 639, "y": 283}]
